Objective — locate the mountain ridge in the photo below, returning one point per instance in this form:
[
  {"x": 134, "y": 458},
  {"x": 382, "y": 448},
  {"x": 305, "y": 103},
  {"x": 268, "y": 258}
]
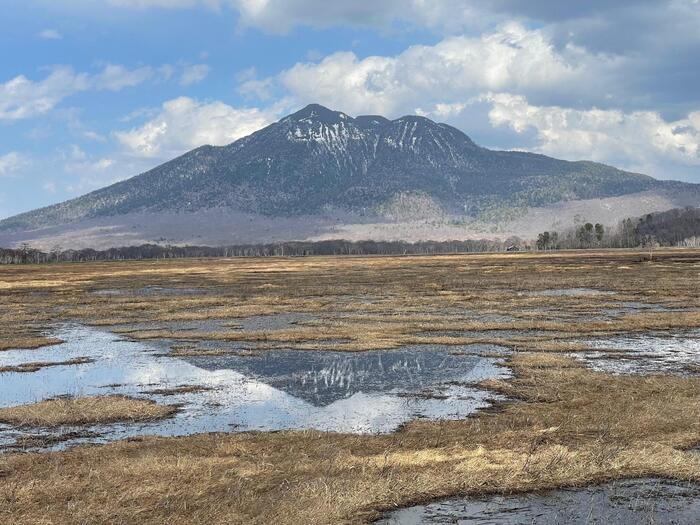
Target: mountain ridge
[{"x": 320, "y": 161}]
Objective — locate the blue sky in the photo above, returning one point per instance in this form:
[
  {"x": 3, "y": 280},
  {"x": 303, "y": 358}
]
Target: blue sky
[{"x": 92, "y": 92}]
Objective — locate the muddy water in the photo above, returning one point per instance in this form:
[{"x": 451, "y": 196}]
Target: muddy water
[
  {"x": 641, "y": 501},
  {"x": 363, "y": 393}
]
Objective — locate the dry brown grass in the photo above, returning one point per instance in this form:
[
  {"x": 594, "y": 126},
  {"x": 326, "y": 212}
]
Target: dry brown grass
[
  {"x": 183, "y": 389},
  {"x": 38, "y": 365},
  {"x": 569, "y": 426},
  {"x": 84, "y": 411},
  {"x": 192, "y": 351},
  {"x": 12, "y": 341}
]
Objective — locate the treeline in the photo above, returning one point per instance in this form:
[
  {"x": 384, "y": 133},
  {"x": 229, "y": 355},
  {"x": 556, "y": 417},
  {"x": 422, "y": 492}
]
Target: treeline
[
  {"x": 28, "y": 255},
  {"x": 676, "y": 227}
]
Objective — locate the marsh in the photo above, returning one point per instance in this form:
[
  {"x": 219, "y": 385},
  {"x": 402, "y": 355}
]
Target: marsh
[{"x": 336, "y": 389}]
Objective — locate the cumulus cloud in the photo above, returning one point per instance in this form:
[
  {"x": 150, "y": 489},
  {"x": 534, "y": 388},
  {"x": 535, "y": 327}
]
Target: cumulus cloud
[
  {"x": 115, "y": 77},
  {"x": 11, "y": 163},
  {"x": 661, "y": 35},
  {"x": 586, "y": 20},
  {"x": 184, "y": 123},
  {"x": 21, "y": 97},
  {"x": 512, "y": 59},
  {"x": 637, "y": 138},
  {"x": 180, "y": 125}
]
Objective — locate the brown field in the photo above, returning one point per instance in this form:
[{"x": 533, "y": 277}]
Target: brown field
[{"x": 564, "y": 426}]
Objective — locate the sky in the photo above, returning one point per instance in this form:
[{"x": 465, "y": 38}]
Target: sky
[{"x": 96, "y": 91}]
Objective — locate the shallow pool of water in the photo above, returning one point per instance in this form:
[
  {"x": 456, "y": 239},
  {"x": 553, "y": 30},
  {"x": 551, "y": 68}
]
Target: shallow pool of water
[
  {"x": 364, "y": 392},
  {"x": 626, "y": 502},
  {"x": 644, "y": 353},
  {"x": 323, "y": 378}
]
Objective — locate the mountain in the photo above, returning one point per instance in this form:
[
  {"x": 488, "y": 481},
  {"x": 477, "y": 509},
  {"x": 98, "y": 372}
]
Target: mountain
[{"x": 320, "y": 173}]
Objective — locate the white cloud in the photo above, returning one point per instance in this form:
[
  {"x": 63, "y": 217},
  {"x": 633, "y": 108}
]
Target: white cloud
[
  {"x": 50, "y": 34},
  {"x": 193, "y": 74},
  {"x": 11, "y": 163},
  {"x": 641, "y": 138},
  {"x": 443, "y": 110},
  {"x": 23, "y": 98},
  {"x": 115, "y": 77},
  {"x": 511, "y": 59},
  {"x": 184, "y": 123}
]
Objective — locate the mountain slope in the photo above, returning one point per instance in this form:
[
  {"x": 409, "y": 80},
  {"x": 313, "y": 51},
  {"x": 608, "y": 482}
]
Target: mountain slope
[{"x": 318, "y": 161}]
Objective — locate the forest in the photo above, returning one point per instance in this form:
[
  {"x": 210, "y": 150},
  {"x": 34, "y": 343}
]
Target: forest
[
  {"x": 676, "y": 227},
  {"x": 25, "y": 254}
]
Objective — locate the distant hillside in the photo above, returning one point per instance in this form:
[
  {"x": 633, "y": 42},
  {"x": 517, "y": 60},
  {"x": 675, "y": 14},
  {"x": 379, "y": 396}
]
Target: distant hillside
[
  {"x": 316, "y": 171},
  {"x": 671, "y": 227},
  {"x": 675, "y": 227}
]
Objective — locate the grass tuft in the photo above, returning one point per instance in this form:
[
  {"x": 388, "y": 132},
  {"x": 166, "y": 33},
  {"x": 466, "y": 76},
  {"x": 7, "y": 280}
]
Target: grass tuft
[{"x": 85, "y": 411}]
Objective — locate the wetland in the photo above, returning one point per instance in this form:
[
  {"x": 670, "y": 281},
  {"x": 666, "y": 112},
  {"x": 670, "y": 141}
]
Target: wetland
[{"x": 352, "y": 389}]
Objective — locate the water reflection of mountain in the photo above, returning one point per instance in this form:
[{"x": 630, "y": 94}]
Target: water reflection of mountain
[{"x": 321, "y": 378}]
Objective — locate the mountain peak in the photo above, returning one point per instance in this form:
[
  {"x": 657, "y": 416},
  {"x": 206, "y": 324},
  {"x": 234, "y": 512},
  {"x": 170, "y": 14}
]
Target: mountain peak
[{"x": 318, "y": 112}]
